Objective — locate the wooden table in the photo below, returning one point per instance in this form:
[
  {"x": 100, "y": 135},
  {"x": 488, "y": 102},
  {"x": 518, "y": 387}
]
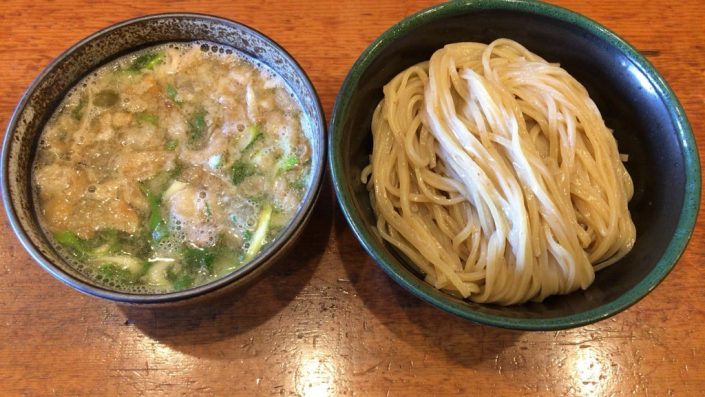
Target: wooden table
[{"x": 327, "y": 321}]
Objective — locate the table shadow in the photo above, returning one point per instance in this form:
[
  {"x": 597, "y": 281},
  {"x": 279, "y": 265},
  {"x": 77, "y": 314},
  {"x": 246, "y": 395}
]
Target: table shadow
[
  {"x": 190, "y": 328},
  {"x": 412, "y": 320}
]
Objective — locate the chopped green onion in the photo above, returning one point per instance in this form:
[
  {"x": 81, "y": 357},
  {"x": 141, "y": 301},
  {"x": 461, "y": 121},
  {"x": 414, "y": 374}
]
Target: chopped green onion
[
  {"x": 259, "y": 199},
  {"x": 107, "y": 242},
  {"x": 125, "y": 262},
  {"x": 197, "y": 258},
  {"x": 171, "y": 145},
  {"x": 160, "y": 232},
  {"x": 106, "y": 98},
  {"x": 299, "y": 184},
  {"x": 146, "y": 61},
  {"x": 246, "y": 236},
  {"x": 289, "y": 163},
  {"x": 156, "y": 224},
  {"x": 173, "y": 94},
  {"x": 207, "y": 210},
  {"x": 255, "y": 133},
  {"x": 260, "y": 235},
  {"x": 181, "y": 281},
  {"x": 111, "y": 271},
  {"x": 176, "y": 171},
  {"x": 198, "y": 127},
  {"x": 71, "y": 241},
  {"x": 77, "y": 112},
  {"x": 148, "y": 118},
  {"x": 241, "y": 170}
]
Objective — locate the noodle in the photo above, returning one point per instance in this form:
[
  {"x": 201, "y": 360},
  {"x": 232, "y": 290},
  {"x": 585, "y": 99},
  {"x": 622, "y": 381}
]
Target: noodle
[{"x": 493, "y": 171}]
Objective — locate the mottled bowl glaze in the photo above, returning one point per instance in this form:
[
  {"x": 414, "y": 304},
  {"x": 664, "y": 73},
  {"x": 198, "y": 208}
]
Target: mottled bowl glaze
[
  {"x": 648, "y": 121},
  {"x": 47, "y": 91}
]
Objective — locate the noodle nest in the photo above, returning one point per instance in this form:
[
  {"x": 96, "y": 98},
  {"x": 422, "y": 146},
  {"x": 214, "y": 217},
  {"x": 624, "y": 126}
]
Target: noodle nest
[{"x": 493, "y": 171}]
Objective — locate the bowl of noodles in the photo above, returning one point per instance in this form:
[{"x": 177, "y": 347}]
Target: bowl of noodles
[{"x": 514, "y": 163}]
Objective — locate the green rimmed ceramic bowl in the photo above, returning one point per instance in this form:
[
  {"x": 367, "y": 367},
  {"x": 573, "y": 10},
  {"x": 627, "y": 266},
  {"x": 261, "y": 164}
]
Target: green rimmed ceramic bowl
[{"x": 649, "y": 124}]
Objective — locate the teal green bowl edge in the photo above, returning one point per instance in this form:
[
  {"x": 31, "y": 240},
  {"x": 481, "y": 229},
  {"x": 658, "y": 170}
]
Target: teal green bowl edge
[{"x": 426, "y": 292}]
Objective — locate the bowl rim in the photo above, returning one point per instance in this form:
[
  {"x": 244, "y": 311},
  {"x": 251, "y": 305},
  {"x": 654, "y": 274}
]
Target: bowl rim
[
  {"x": 426, "y": 292},
  {"x": 261, "y": 261}
]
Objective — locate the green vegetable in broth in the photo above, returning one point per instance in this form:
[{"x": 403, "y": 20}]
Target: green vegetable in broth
[
  {"x": 260, "y": 234},
  {"x": 173, "y": 94},
  {"x": 111, "y": 271},
  {"x": 180, "y": 281},
  {"x": 146, "y": 61},
  {"x": 298, "y": 184},
  {"x": 72, "y": 242},
  {"x": 253, "y": 133},
  {"x": 104, "y": 242},
  {"x": 247, "y": 236},
  {"x": 241, "y": 170},
  {"x": 77, "y": 112},
  {"x": 148, "y": 118},
  {"x": 289, "y": 163},
  {"x": 126, "y": 263},
  {"x": 149, "y": 189},
  {"x": 171, "y": 144},
  {"x": 198, "y": 259},
  {"x": 155, "y": 222},
  {"x": 106, "y": 98},
  {"x": 198, "y": 127}
]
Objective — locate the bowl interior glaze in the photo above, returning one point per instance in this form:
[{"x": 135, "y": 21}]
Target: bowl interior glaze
[
  {"x": 648, "y": 122},
  {"x": 50, "y": 87}
]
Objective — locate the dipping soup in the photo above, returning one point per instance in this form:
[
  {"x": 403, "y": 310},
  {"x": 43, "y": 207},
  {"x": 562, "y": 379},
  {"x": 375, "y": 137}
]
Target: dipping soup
[{"x": 171, "y": 167}]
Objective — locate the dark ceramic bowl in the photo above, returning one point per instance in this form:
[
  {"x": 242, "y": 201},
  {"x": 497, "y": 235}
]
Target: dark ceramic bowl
[
  {"x": 649, "y": 124},
  {"x": 47, "y": 91}
]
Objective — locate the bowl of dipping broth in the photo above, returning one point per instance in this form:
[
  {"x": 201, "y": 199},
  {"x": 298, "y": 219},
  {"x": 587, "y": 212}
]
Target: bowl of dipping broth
[
  {"x": 514, "y": 163},
  {"x": 164, "y": 158}
]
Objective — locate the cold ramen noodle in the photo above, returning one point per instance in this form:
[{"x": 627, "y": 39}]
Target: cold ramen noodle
[
  {"x": 171, "y": 167},
  {"x": 493, "y": 171}
]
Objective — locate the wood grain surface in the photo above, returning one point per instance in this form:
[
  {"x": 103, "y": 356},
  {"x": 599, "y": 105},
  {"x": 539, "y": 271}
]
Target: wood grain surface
[{"x": 326, "y": 320}]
